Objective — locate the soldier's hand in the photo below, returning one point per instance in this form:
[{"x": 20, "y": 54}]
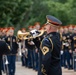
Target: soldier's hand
[
  {"x": 70, "y": 51},
  {"x": 75, "y": 50},
  {"x": 16, "y": 54},
  {"x": 36, "y": 50}
]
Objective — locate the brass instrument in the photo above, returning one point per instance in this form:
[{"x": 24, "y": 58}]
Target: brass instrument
[
  {"x": 19, "y": 51},
  {"x": 37, "y": 33},
  {"x": 30, "y": 35},
  {"x": 5, "y": 64},
  {"x": 24, "y": 36}
]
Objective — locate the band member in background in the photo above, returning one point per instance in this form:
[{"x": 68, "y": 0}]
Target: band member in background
[
  {"x": 11, "y": 41},
  {"x": 73, "y": 47},
  {"x": 70, "y": 28},
  {"x": 30, "y": 28},
  {"x": 37, "y": 44},
  {"x": 61, "y": 30},
  {"x": 3, "y": 36},
  {"x": 4, "y": 49},
  {"x": 31, "y": 48},
  {"x": 67, "y": 46},
  {"x": 37, "y": 25},
  {"x": 37, "y": 41}
]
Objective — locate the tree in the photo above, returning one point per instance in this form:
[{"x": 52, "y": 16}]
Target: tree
[
  {"x": 21, "y": 13},
  {"x": 13, "y": 11}
]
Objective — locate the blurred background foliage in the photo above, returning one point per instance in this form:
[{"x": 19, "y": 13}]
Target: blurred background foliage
[{"x": 22, "y": 13}]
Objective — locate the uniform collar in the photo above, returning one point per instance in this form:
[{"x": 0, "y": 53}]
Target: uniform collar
[{"x": 53, "y": 33}]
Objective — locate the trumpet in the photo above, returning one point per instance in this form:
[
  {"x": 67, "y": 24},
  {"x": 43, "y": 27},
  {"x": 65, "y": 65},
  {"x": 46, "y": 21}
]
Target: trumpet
[
  {"x": 24, "y": 36},
  {"x": 30, "y": 35}
]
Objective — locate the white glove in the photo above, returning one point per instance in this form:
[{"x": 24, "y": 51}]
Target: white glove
[{"x": 34, "y": 33}]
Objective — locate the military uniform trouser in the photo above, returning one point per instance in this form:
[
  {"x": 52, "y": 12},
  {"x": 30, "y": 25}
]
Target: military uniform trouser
[
  {"x": 30, "y": 58},
  {"x": 71, "y": 60},
  {"x": 62, "y": 60},
  {"x": 66, "y": 59},
  {"x": 0, "y": 68},
  {"x": 36, "y": 61},
  {"x": 40, "y": 62},
  {"x": 23, "y": 59},
  {"x": 11, "y": 65}
]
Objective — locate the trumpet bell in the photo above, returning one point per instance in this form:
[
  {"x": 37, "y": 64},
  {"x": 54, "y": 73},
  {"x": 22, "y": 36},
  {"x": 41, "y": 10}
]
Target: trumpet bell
[{"x": 25, "y": 35}]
